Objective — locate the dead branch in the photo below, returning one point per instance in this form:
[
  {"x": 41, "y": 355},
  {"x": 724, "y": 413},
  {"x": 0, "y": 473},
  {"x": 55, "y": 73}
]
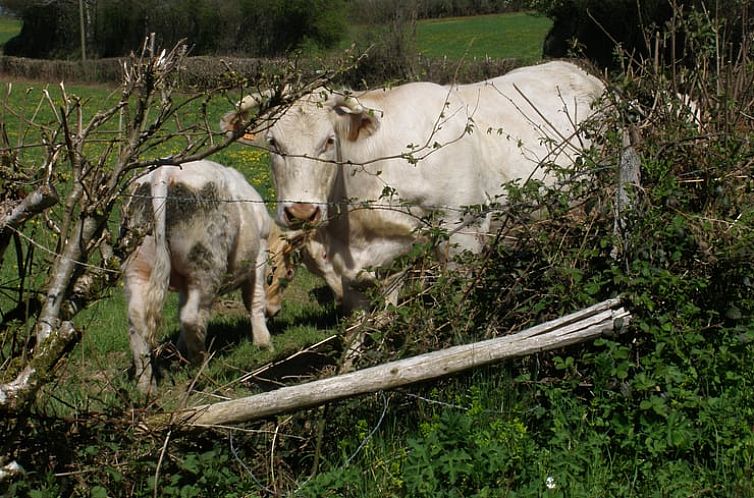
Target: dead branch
[
  {"x": 31, "y": 205},
  {"x": 605, "y": 317}
]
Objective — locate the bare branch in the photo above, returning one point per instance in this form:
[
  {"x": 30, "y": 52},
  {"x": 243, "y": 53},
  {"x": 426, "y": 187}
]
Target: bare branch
[{"x": 33, "y": 204}]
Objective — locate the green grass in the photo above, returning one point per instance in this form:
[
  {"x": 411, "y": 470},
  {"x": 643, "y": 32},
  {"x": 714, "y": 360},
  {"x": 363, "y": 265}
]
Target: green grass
[
  {"x": 9, "y": 28},
  {"x": 103, "y": 354},
  {"x": 517, "y": 36}
]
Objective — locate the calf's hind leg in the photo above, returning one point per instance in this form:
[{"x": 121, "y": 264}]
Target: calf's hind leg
[
  {"x": 140, "y": 337},
  {"x": 195, "y": 306}
]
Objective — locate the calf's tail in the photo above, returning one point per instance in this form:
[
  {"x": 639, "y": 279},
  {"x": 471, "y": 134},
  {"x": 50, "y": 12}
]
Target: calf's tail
[{"x": 159, "y": 279}]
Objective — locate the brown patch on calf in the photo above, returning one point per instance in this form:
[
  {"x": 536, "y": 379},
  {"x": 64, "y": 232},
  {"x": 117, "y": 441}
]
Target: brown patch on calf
[
  {"x": 184, "y": 203},
  {"x": 201, "y": 257}
]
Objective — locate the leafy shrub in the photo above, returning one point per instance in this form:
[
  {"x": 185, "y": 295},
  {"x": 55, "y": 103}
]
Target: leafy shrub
[
  {"x": 468, "y": 454},
  {"x": 666, "y": 408}
]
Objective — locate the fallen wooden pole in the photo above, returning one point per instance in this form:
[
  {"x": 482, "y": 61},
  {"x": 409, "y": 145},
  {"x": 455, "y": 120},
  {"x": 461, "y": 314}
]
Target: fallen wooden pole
[{"x": 576, "y": 327}]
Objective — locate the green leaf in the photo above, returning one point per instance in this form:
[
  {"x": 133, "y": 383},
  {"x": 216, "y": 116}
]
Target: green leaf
[{"x": 99, "y": 492}]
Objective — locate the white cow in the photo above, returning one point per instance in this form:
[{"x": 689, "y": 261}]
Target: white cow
[
  {"x": 205, "y": 232},
  {"x": 364, "y": 169}
]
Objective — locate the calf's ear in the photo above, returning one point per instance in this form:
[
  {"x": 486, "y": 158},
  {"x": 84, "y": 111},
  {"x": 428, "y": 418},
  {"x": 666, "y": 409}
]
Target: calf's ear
[
  {"x": 352, "y": 120},
  {"x": 232, "y": 123}
]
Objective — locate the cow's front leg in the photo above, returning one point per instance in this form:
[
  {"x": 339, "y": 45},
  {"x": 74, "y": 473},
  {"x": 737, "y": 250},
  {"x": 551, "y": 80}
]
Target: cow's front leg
[
  {"x": 254, "y": 298},
  {"x": 194, "y": 316}
]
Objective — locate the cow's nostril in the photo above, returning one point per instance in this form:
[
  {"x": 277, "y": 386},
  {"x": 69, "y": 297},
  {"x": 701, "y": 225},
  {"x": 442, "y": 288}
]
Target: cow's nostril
[
  {"x": 289, "y": 217},
  {"x": 315, "y": 215},
  {"x": 300, "y": 213}
]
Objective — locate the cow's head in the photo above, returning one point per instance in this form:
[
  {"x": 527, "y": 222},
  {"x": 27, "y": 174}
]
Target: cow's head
[{"x": 304, "y": 141}]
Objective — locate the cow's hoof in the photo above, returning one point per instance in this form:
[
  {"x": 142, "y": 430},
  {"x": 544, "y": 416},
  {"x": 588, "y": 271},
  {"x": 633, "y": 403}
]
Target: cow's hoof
[
  {"x": 266, "y": 345},
  {"x": 147, "y": 385}
]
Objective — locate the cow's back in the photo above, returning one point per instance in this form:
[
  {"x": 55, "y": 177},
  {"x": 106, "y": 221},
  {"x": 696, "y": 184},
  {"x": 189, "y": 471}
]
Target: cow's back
[
  {"x": 531, "y": 116},
  {"x": 421, "y": 151},
  {"x": 456, "y": 145},
  {"x": 214, "y": 220}
]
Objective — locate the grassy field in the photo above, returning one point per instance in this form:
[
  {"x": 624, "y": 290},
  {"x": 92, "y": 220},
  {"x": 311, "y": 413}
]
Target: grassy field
[
  {"x": 516, "y": 36},
  {"x": 9, "y": 28}
]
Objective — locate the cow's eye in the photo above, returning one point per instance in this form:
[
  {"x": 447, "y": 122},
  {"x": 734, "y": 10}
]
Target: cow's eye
[
  {"x": 272, "y": 144},
  {"x": 329, "y": 143}
]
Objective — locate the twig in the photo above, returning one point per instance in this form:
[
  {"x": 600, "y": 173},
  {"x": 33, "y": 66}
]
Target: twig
[{"x": 159, "y": 462}]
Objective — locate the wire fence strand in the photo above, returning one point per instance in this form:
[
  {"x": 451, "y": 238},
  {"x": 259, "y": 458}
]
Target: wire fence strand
[{"x": 465, "y": 215}]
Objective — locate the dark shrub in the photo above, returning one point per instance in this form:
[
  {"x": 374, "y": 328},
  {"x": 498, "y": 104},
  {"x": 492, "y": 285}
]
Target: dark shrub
[{"x": 595, "y": 28}]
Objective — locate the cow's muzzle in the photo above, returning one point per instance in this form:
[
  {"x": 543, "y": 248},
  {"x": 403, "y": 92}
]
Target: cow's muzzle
[{"x": 301, "y": 213}]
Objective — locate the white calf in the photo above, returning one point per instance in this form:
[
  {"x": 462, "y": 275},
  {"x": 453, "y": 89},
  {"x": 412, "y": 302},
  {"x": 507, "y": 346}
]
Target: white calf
[{"x": 205, "y": 232}]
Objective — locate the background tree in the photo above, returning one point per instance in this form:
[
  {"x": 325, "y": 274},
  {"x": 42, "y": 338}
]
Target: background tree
[
  {"x": 446, "y": 8},
  {"x": 389, "y": 39},
  {"x": 50, "y": 28},
  {"x": 117, "y": 27},
  {"x": 596, "y": 28}
]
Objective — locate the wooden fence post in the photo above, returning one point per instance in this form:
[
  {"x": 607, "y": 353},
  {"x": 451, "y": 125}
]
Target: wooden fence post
[{"x": 629, "y": 181}]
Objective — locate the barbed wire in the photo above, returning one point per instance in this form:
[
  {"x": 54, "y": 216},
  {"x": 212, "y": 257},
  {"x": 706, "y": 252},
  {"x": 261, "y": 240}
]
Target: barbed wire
[
  {"x": 56, "y": 254},
  {"x": 363, "y": 204},
  {"x": 469, "y": 213},
  {"x": 240, "y": 461},
  {"x": 91, "y": 266},
  {"x": 473, "y": 212},
  {"x": 369, "y": 203},
  {"x": 366, "y": 439}
]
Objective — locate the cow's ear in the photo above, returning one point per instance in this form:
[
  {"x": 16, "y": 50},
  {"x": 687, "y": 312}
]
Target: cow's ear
[
  {"x": 233, "y": 121},
  {"x": 352, "y": 120}
]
